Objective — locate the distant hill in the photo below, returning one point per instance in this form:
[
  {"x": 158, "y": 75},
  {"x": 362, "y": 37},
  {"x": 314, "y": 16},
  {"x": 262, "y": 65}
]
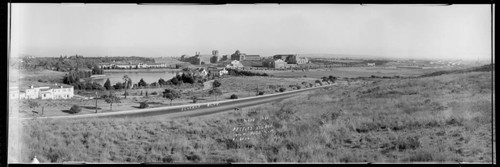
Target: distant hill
[
  {"x": 484, "y": 68},
  {"x": 350, "y": 56}
]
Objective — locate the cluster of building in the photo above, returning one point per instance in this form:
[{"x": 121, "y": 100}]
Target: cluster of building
[
  {"x": 237, "y": 58},
  {"x": 285, "y": 61},
  {"x": 210, "y": 71},
  {"x": 199, "y": 59},
  {"x": 131, "y": 66},
  {"x": 56, "y": 91}
]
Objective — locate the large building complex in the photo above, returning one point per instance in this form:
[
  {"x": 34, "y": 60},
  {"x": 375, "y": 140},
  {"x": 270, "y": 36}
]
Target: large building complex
[
  {"x": 292, "y": 59},
  {"x": 244, "y": 57},
  {"x": 274, "y": 63},
  {"x": 199, "y": 59}
]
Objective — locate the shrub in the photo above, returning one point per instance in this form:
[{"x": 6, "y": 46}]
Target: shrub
[
  {"x": 261, "y": 93},
  {"x": 144, "y": 105},
  {"x": 154, "y": 93},
  {"x": 75, "y": 109},
  {"x": 233, "y": 96},
  {"x": 195, "y": 99},
  {"x": 282, "y": 89}
]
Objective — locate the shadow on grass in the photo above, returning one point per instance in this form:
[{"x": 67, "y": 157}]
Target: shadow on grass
[
  {"x": 91, "y": 107},
  {"x": 67, "y": 111}
]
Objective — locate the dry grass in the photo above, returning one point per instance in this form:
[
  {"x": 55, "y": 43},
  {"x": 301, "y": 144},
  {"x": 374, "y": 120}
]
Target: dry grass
[
  {"x": 349, "y": 72},
  {"x": 435, "y": 119}
]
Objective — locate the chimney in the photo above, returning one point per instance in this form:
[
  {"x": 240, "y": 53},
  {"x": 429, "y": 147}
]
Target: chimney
[{"x": 31, "y": 86}]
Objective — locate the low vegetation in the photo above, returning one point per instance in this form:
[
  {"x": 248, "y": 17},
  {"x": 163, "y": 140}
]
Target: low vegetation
[
  {"x": 445, "y": 118},
  {"x": 75, "y": 109}
]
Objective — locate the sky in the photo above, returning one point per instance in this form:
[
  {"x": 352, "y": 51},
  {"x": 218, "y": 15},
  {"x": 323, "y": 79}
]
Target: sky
[{"x": 394, "y": 31}]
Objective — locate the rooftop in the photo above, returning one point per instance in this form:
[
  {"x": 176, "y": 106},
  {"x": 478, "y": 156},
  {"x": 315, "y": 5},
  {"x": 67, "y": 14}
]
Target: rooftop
[{"x": 38, "y": 85}]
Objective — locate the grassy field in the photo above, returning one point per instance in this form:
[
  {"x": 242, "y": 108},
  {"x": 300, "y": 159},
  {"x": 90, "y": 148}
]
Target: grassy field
[
  {"x": 230, "y": 85},
  {"x": 351, "y": 72},
  {"x": 443, "y": 118}
]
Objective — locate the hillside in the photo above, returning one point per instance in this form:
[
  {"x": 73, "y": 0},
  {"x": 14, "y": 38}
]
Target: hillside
[
  {"x": 446, "y": 118},
  {"x": 484, "y": 68}
]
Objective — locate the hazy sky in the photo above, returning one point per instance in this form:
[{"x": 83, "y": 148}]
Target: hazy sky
[{"x": 402, "y": 31}]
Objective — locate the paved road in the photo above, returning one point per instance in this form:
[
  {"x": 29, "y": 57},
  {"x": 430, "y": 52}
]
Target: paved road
[{"x": 192, "y": 109}]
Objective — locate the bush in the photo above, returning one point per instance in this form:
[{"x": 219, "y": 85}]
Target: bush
[
  {"x": 154, "y": 93},
  {"x": 75, "y": 109},
  {"x": 282, "y": 89},
  {"x": 144, "y": 105},
  {"x": 233, "y": 96},
  {"x": 261, "y": 93}
]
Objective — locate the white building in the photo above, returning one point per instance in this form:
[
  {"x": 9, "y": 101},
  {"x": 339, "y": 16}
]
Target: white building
[
  {"x": 235, "y": 64},
  {"x": 48, "y": 92},
  {"x": 223, "y": 72}
]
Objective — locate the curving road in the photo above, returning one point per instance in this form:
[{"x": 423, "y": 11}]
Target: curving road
[{"x": 192, "y": 109}]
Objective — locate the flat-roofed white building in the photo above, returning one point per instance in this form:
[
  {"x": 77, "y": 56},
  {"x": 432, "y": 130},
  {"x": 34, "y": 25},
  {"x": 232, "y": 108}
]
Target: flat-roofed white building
[{"x": 48, "y": 92}]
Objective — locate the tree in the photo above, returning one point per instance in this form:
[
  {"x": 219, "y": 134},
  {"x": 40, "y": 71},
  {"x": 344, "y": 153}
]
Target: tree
[
  {"x": 107, "y": 84},
  {"x": 161, "y": 82},
  {"x": 96, "y": 70},
  {"x": 282, "y": 89},
  {"x": 324, "y": 79},
  {"x": 318, "y": 81},
  {"x": 215, "y": 91},
  {"x": 194, "y": 98},
  {"x": 216, "y": 84},
  {"x": 129, "y": 83},
  {"x": 233, "y": 96},
  {"x": 171, "y": 94},
  {"x": 143, "y": 105},
  {"x": 112, "y": 99},
  {"x": 118, "y": 85},
  {"x": 332, "y": 78},
  {"x": 142, "y": 83},
  {"x": 126, "y": 82},
  {"x": 75, "y": 109},
  {"x": 174, "y": 81}
]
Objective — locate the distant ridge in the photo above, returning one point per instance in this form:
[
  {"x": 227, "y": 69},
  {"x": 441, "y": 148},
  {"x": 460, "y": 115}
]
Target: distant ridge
[
  {"x": 484, "y": 68},
  {"x": 350, "y": 56}
]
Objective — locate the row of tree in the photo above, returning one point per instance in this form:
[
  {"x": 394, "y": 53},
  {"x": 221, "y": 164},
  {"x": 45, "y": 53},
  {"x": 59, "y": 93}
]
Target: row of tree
[
  {"x": 237, "y": 72},
  {"x": 65, "y": 63}
]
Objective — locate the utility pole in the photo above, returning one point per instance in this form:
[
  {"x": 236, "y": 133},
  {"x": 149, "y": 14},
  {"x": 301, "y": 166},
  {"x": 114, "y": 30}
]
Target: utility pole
[{"x": 96, "y": 102}]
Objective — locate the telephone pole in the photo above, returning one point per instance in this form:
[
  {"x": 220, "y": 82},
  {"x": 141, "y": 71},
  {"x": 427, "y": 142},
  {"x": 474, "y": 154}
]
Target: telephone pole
[{"x": 96, "y": 102}]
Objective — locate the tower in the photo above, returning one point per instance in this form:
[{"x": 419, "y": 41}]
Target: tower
[{"x": 215, "y": 53}]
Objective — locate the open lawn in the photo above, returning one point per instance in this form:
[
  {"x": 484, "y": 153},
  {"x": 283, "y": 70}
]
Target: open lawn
[
  {"x": 349, "y": 72},
  {"x": 443, "y": 118}
]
